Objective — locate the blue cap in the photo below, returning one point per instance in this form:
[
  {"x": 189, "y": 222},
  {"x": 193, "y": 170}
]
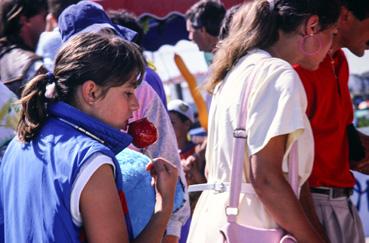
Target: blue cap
[{"x": 87, "y": 16}]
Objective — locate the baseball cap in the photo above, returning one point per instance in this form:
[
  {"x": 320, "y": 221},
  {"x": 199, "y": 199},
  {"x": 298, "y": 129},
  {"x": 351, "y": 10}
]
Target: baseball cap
[
  {"x": 181, "y": 107},
  {"x": 87, "y": 16}
]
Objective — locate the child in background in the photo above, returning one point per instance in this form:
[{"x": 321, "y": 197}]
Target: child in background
[
  {"x": 182, "y": 118},
  {"x": 60, "y": 176}
]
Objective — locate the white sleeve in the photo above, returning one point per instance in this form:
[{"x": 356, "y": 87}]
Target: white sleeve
[
  {"x": 84, "y": 175},
  {"x": 276, "y": 107}
]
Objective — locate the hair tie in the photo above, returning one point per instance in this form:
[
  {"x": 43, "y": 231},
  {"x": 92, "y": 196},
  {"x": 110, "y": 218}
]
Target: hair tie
[
  {"x": 14, "y": 12},
  {"x": 50, "y": 92},
  {"x": 50, "y": 78},
  {"x": 271, "y": 4}
]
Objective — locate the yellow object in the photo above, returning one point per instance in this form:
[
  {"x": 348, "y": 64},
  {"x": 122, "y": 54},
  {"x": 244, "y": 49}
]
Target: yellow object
[
  {"x": 196, "y": 95},
  {"x": 151, "y": 65}
]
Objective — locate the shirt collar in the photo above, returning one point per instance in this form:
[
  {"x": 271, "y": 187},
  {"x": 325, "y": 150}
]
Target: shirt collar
[{"x": 111, "y": 137}]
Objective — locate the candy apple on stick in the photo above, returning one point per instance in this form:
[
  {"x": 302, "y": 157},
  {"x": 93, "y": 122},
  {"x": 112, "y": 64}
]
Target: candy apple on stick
[{"x": 144, "y": 133}]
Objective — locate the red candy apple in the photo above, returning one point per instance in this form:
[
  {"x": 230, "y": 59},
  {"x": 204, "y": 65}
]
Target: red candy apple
[{"x": 144, "y": 133}]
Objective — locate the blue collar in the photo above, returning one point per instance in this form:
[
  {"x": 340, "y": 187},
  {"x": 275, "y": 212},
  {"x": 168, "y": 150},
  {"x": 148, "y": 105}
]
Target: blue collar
[{"x": 98, "y": 130}]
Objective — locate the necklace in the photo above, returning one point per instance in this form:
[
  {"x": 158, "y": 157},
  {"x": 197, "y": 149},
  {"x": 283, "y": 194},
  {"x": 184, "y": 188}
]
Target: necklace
[{"x": 333, "y": 66}]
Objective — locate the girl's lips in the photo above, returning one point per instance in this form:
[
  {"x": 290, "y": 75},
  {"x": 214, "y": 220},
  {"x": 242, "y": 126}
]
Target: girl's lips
[{"x": 125, "y": 126}]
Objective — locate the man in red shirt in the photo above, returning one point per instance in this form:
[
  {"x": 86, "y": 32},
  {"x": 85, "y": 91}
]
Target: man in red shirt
[{"x": 330, "y": 112}]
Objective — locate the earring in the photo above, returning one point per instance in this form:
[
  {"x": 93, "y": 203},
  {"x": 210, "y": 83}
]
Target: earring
[{"x": 310, "y": 45}]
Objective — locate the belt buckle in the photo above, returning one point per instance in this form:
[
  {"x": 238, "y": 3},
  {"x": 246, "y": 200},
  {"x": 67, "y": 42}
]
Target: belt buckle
[
  {"x": 219, "y": 187},
  {"x": 331, "y": 193}
]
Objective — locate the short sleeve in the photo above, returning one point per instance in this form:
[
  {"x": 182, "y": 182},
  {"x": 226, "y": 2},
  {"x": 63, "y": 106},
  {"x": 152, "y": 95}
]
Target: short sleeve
[
  {"x": 84, "y": 175},
  {"x": 276, "y": 106}
]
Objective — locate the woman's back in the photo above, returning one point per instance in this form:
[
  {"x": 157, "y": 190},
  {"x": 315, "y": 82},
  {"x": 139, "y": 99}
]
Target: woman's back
[
  {"x": 273, "y": 79},
  {"x": 275, "y": 91}
]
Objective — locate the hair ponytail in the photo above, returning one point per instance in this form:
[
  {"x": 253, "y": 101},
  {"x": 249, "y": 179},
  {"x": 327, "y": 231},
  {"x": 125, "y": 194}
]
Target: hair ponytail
[
  {"x": 33, "y": 108},
  {"x": 257, "y": 24},
  {"x": 253, "y": 25}
]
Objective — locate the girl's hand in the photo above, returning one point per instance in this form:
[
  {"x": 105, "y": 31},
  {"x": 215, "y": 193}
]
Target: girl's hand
[{"x": 165, "y": 176}]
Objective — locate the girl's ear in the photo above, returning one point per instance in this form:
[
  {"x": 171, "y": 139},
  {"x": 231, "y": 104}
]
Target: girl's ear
[
  {"x": 345, "y": 16},
  {"x": 89, "y": 91},
  {"x": 312, "y": 25}
]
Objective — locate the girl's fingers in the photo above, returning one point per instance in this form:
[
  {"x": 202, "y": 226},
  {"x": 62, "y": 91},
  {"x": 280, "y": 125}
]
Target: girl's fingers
[{"x": 149, "y": 166}]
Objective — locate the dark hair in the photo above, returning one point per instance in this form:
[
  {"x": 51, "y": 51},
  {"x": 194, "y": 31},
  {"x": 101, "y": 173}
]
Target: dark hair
[
  {"x": 129, "y": 20},
  {"x": 208, "y": 14},
  {"x": 108, "y": 60},
  {"x": 224, "y": 28},
  {"x": 12, "y": 10},
  {"x": 56, "y": 7},
  {"x": 261, "y": 23},
  {"x": 360, "y": 8}
]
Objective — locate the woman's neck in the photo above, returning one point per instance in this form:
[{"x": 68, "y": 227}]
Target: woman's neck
[
  {"x": 286, "y": 48},
  {"x": 336, "y": 44}
]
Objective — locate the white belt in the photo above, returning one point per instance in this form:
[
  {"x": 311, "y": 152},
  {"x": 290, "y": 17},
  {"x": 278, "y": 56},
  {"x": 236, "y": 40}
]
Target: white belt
[{"x": 220, "y": 187}]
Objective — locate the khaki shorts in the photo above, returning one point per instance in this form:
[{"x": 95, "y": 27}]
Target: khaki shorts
[{"x": 339, "y": 218}]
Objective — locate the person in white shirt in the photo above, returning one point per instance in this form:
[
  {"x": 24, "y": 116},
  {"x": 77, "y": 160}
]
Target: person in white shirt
[{"x": 260, "y": 54}]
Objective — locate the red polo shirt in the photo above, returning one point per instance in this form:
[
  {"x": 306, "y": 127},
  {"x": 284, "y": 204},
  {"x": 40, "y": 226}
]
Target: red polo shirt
[{"x": 329, "y": 111}]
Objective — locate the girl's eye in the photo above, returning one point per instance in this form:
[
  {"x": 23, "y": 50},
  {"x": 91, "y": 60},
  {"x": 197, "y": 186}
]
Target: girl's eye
[{"x": 129, "y": 94}]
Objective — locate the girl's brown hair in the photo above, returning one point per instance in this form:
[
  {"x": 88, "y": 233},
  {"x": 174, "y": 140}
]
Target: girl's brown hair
[{"x": 106, "y": 59}]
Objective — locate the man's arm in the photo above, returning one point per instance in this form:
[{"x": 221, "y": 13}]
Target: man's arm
[{"x": 362, "y": 166}]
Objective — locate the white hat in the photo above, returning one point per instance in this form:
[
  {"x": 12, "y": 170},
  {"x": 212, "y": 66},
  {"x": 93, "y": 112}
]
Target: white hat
[{"x": 181, "y": 107}]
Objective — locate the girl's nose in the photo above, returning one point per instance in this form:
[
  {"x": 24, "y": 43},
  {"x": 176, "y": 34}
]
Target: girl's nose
[{"x": 135, "y": 104}]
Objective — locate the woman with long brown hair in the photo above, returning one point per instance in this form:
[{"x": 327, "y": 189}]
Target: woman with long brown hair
[{"x": 274, "y": 34}]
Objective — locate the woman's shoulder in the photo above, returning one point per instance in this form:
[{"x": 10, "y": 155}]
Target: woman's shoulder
[
  {"x": 279, "y": 75},
  {"x": 264, "y": 60}
]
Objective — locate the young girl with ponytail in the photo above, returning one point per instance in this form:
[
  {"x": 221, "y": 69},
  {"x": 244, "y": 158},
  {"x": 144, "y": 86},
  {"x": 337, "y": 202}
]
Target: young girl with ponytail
[{"x": 59, "y": 179}]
